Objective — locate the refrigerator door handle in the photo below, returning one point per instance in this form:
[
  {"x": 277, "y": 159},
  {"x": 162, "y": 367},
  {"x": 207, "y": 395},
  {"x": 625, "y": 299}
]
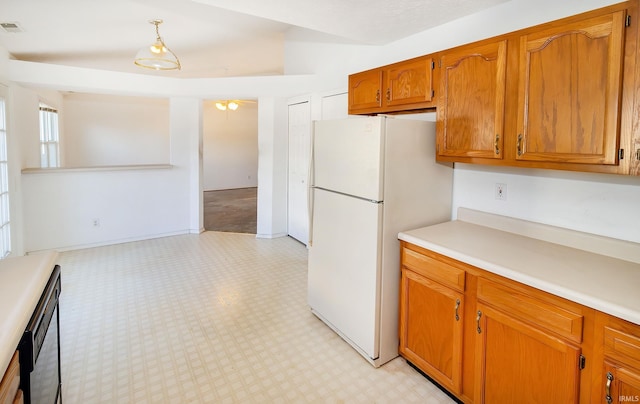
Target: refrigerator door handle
[
  {"x": 348, "y": 195},
  {"x": 309, "y": 192}
]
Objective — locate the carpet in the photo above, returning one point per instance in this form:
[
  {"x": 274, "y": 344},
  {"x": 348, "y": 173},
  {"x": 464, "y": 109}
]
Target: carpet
[{"x": 231, "y": 210}]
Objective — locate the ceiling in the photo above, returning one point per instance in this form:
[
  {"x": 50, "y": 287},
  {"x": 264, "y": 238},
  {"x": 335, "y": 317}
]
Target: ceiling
[{"x": 212, "y": 38}]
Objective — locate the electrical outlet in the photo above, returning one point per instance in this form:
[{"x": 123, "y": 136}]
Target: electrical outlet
[{"x": 501, "y": 192}]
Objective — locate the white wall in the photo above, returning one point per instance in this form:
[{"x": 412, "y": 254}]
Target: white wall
[
  {"x": 230, "y": 151},
  {"x": 272, "y": 159},
  {"x": 603, "y": 204},
  {"x": 103, "y": 130},
  {"x": 334, "y": 62},
  {"x": 4, "y": 65},
  {"x": 60, "y": 207}
]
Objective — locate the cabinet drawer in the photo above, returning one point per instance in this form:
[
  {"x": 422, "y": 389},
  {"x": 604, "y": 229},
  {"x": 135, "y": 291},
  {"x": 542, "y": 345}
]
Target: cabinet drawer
[
  {"x": 533, "y": 310},
  {"x": 10, "y": 382},
  {"x": 434, "y": 269},
  {"x": 622, "y": 346}
]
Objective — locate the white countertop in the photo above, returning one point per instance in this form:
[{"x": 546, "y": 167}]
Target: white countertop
[
  {"x": 22, "y": 281},
  {"x": 596, "y": 280}
]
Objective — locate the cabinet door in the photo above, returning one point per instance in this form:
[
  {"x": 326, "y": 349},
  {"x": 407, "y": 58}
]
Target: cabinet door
[
  {"x": 431, "y": 328},
  {"x": 620, "y": 385},
  {"x": 570, "y": 92},
  {"x": 518, "y": 363},
  {"x": 471, "y": 103},
  {"x": 365, "y": 90},
  {"x": 620, "y": 380},
  {"x": 409, "y": 82}
]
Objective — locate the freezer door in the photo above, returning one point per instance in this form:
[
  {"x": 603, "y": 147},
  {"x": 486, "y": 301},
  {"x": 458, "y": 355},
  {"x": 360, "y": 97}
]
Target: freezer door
[
  {"x": 344, "y": 267},
  {"x": 347, "y": 156}
]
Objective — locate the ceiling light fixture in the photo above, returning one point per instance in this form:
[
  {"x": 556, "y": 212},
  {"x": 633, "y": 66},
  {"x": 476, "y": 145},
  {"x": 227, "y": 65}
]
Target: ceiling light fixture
[
  {"x": 157, "y": 56},
  {"x": 223, "y": 105}
]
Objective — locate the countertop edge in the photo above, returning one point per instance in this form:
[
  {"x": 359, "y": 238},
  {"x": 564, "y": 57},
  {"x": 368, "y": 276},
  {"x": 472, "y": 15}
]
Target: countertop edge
[
  {"x": 608, "y": 306},
  {"x": 39, "y": 268}
]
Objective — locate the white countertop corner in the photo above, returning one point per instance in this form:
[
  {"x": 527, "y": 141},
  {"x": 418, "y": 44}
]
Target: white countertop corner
[
  {"x": 602, "y": 282},
  {"x": 22, "y": 281}
]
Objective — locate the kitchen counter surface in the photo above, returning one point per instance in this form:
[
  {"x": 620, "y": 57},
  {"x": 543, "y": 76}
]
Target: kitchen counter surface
[
  {"x": 570, "y": 267},
  {"x": 22, "y": 281}
]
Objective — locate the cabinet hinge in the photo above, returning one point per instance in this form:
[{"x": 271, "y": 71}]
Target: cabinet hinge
[
  {"x": 621, "y": 154},
  {"x": 581, "y": 362},
  {"x": 627, "y": 22}
]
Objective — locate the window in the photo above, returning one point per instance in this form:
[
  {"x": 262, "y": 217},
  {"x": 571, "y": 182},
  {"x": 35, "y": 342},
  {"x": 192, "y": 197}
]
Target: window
[
  {"x": 5, "y": 235},
  {"x": 49, "y": 154}
]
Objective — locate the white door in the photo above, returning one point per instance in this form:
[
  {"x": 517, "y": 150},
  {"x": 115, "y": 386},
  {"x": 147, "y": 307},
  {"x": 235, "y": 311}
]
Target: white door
[
  {"x": 348, "y": 156},
  {"x": 344, "y": 267},
  {"x": 299, "y": 154}
]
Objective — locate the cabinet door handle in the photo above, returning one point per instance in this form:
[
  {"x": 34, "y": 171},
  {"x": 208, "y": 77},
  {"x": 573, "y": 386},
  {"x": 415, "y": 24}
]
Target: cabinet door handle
[
  {"x": 478, "y": 322},
  {"x": 638, "y": 154},
  {"x": 496, "y": 145},
  {"x": 378, "y": 96},
  {"x": 457, "y": 307},
  {"x": 519, "y": 145},
  {"x": 388, "y": 94},
  {"x": 608, "y": 388}
]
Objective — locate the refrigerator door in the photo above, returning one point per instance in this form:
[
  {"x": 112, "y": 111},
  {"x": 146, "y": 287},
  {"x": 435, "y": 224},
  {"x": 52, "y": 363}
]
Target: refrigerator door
[
  {"x": 344, "y": 268},
  {"x": 348, "y": 156}
]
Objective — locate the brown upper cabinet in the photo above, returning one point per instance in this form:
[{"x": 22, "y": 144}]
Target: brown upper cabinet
[
  {"x": 561, "y": 95},
  {"x": 471, "y": 104},
  {"x": 570, "y": 88},
  {"x": 401, "y": 86},
  {"x": 550, "y": 96}
]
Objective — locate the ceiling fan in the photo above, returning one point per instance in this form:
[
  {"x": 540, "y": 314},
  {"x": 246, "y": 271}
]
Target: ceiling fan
[{"x": 232, "y": 105}]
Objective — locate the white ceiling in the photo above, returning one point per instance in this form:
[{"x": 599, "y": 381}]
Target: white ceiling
[{"x": 212, "y": 38}]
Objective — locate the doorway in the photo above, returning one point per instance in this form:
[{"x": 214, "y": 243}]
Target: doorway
[{"x": 230, "y": 167}]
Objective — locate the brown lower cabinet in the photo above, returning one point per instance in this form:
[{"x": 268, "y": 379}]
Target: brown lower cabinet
[
  {"x": 617, "y": 378},
  {"x": 488, "y": 339},
  {"x": 10, "y": 392}
]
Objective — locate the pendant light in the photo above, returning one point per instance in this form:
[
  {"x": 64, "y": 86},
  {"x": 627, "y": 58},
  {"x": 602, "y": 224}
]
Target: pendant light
[{"x": 157, "y": 56}]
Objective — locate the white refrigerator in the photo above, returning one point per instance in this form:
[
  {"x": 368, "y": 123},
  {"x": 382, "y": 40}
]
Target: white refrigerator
[{"x": 370, "y": 178}]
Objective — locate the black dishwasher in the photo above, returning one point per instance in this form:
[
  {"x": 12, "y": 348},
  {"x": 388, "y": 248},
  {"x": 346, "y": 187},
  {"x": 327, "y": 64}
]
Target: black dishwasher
[{"x": 39, "y": 348}]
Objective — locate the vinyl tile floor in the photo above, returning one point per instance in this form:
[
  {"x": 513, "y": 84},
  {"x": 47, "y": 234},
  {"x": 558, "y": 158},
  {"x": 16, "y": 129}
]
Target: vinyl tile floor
[{"x": 210, "y": 318}]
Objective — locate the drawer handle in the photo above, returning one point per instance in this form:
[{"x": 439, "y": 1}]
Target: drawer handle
[
  {"x": 496, "y": 145},
  {"x": 608, "y": 388},
  {"x": 478, "y": 322},
  {"x": 457, "y": 307}
]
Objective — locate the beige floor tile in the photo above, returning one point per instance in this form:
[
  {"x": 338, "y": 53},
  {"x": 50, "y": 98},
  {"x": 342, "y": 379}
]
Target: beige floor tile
[{"x": 210, "y": 318}]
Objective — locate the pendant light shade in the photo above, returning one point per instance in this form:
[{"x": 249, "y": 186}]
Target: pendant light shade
[{"x": 157, "y": 56}]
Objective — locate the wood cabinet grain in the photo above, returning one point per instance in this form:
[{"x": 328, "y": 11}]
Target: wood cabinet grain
[
  {"x": 402, "y": 86},
  {"x": 616, "y": 377},
  {"x": 570, "y": 87},
  {"x": 560, "y": 95},
  {"x": 431, "y": 328},
  {"x": 470, "y": 111},
  {"x": 489, "y": 339},
  {"x": 10, "y": 392}
]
